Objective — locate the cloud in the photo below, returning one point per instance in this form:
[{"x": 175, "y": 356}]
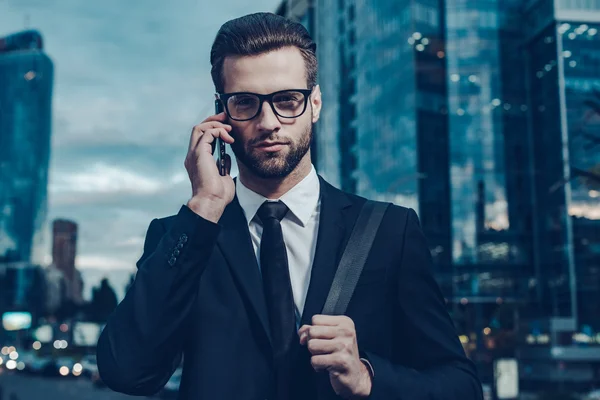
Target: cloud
[
  {"x": 131, "y": 80},
  {"x": 101, "y": 261},
  {"x": 101, "y": 178}
]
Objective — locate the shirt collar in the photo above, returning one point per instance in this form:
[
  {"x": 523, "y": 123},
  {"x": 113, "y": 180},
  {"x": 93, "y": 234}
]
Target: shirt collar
[{"x": 301, "y": 200}]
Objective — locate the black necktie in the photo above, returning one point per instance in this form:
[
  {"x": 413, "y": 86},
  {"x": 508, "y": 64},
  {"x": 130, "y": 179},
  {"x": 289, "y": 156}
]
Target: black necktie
[{"x": 278, "y": 291}]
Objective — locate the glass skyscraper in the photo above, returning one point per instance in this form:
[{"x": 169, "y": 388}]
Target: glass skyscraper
[
  {"x": 563, "y": 44},
  {"x": 26, "y": 80},
  {"x": 383, "y": 131},
  {"x": 484, "y": 116}
]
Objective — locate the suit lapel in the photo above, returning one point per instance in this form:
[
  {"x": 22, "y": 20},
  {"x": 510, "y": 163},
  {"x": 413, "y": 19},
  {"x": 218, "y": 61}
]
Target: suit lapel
[
  {"x": 236, "y": 245},
  {"x": 334, "y": 229}
]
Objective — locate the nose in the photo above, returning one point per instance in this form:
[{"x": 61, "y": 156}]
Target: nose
[{"x": 267, "y": 119}]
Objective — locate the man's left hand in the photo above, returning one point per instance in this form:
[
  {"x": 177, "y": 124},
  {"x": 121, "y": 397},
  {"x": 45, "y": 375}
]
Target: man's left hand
[{"x": 331, "y": 339}]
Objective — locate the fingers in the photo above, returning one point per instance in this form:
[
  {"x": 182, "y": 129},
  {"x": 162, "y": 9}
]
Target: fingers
[
  {"x": 202, "y": 128},
  {"x": 308, "y": 332},
  {"x": 331, "y": 362},
  {"x": 222, "y": 117},
  {"x": 323, "y": 346},
  {"x": 332, "y": 320},
  {"x": 209, "y": 137}
]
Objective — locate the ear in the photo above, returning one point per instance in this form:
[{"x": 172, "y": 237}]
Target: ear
[{"x": 316, "y": 103}]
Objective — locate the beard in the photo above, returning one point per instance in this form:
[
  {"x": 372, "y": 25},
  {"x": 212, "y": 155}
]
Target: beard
[{"x": 272, "y": 165}]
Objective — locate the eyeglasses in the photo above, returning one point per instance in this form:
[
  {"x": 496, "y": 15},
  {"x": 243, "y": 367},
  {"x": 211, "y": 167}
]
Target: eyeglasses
[{"x": 244, "y": 106}]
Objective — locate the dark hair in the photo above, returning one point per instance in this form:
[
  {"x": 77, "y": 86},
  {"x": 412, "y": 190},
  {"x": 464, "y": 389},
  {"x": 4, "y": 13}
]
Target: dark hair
[{"x": 261, "y": 33}]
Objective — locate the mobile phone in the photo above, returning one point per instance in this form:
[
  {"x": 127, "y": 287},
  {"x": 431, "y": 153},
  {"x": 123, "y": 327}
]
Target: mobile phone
[{"x": 221, "y": 143}]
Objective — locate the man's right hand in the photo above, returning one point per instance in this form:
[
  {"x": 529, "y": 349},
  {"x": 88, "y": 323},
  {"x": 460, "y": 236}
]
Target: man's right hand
[{"x": 211, "y": 192}]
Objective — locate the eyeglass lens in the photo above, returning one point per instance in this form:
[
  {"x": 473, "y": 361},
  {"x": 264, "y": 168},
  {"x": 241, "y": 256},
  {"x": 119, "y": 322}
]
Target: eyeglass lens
[{"x": 288, "y": 104}]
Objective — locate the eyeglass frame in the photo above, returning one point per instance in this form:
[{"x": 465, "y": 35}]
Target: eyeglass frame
[{"x": 224, "y": 97}]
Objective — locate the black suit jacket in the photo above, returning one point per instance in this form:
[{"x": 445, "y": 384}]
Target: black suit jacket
[{"x": 198, "y": 293}]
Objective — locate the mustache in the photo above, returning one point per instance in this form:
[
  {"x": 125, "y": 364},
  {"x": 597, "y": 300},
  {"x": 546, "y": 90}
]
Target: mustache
[{"x": 267, "y": 137}]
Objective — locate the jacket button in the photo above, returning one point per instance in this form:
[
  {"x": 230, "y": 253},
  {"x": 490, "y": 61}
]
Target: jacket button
[
  {"x": 180, "y": 245},
  {"x": 172, "y": 261},
  {"x": 183, "y": 238},
  {"x": 176, "y": 252}
]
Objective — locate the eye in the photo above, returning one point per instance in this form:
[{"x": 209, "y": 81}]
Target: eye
[{"x": 244, "y": 101}]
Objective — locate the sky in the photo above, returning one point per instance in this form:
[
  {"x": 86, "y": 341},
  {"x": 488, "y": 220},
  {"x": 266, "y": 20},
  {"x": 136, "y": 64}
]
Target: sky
[{"x": 131, "y": 80}]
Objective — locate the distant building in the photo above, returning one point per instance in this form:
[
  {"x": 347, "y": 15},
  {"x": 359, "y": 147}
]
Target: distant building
[
  {"x": 26, "y": 80},
  {"x": 56, "y": 291},
  {"x": 64, "y": 251},
  {"x": 23, "y": 288}
]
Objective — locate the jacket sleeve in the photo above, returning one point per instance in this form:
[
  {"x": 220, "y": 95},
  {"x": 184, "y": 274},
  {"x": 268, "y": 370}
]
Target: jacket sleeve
[
  {"x": 142, "y": 342},
  {"x": 431, "y": 364}
]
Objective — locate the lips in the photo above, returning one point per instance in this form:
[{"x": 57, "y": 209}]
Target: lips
[{"x": 271, "y": 146}]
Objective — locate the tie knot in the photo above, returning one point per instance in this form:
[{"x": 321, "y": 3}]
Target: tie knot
[{"x": 272, "y": 209}]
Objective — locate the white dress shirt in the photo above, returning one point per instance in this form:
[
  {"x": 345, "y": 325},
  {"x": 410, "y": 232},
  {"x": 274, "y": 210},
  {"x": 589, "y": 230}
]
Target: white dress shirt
[{"x": 299, "y": 227}]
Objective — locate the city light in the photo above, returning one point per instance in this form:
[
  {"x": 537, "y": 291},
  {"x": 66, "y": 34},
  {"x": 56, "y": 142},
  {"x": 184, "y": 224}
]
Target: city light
[
  {"x": 455, "y": 77},
  {"x": 64, "y": 327},
  {"x": 472, "y": 78},
  {"x": 30, "y": 75},
  {"x": 411, "y": 40},
  {"x": 425, "y": 41},
  {"x": 417, "y": 35},
  {"x": 5, "y": 351},
  {"x": 60, "y": 344},
  {"x": 463, "y": 339},
  {"x": 572, "y": 63},
  {"x": 441, "y": 54},
  {"x": 20, "y": 365},
  {"x": 1, "y": 360},
  {"x": 594, "y": 193},
  {"x": 36, "y": 345},
  {"x": 464, "y": 301},
  {"x": 582, "y": 28},
  {"x": 487, "y": 331},
  {"x": 530, "y": 339},
  {"x": 564, "y": 28},
  {"x": 572, "y": 35},
  {"x": 496, "y": 102},
  {"x": 64, "y": 371},
  {"x": 11, "y": 364},
  {"x": 460, "y": 111},
  {"x": 592, "y": 31},
  {"x": 14, "y": 355},
  {"x": 567, "y": 54},
  {"x": 543, "y": 339},
  {"x": 420, "y": 47},
  {"x": 77, "y": 367}
]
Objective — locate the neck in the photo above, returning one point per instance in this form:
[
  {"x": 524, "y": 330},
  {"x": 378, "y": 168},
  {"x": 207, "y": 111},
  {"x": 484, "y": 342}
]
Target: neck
[{"x": 274, "y": 188}]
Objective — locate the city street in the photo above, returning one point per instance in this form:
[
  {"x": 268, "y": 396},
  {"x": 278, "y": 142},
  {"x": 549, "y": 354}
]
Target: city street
[{"x": 36, "y": 388}]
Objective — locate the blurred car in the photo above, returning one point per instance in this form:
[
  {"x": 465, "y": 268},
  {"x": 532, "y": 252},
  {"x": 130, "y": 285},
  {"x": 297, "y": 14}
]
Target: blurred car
[
  {"x": 171, "y": 388},
  {"x": 59, "y": 367},
  {"x": 89, "y": 365}
]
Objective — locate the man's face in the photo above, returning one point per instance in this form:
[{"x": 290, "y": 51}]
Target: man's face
[{"x": 263, "y": 74}]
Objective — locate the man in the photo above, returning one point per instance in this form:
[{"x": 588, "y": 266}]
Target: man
[{"x": 236, "y": 281}]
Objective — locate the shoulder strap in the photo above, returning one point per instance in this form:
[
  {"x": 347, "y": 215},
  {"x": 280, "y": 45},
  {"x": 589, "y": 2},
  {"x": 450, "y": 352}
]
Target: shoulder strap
[{"x": 354, "y": 257}]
